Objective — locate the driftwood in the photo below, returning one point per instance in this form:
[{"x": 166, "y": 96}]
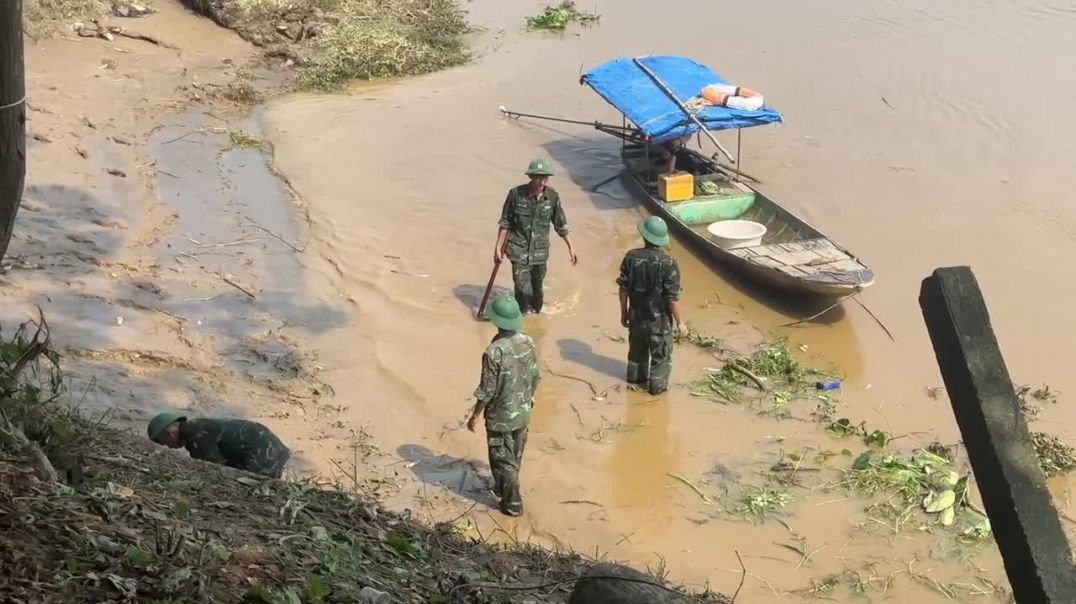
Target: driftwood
[
  {"x": 11, "y": 436},
  {"x": 109, "y": 32}
]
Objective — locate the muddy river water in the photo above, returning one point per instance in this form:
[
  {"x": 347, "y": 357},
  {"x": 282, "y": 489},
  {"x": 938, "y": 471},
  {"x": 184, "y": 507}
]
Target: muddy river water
[{"x": 918, "y": 134}]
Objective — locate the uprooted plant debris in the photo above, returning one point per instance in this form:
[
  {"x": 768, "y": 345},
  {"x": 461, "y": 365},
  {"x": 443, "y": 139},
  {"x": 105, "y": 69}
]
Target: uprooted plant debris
[
  {"x": 1031, "y": 401},
  {"x": 333, "y": 41},
  {"x": 920, "y": 480},
  {"x": 701, "y": 340},
  {"x": 130, "y": 520},
  {"x": 557, "y": 18},
  {"x": 1055, "y": 457},
  {"x": 773, "y": 371}
]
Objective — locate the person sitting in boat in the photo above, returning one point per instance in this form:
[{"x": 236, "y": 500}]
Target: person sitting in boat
[{"x": 673, "y": 155}]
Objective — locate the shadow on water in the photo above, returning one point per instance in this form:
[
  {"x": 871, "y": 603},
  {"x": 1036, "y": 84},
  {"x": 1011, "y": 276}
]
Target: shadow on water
[
  {"x": 470, "y": 295},
  {"x": 461, "y": 476},
  {"x": 593, "y": 163},
  {"x": 579, "y": 352}
]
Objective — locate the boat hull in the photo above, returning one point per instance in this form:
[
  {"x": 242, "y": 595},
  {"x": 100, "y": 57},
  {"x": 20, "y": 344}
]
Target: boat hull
[{"x": 824, "y": 285}]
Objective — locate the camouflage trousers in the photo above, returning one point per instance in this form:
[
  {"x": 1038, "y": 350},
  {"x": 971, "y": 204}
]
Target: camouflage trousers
[
  {"x": 649, "y": 358},
  {"x": 528, "y": 279},
  {"x": 268, "y": 461},
  {"x": 505, "y": 459}
]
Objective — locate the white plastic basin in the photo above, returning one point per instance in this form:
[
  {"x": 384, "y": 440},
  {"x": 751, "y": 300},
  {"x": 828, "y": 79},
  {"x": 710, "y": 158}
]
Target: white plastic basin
[{"x": 733, "y": 234}]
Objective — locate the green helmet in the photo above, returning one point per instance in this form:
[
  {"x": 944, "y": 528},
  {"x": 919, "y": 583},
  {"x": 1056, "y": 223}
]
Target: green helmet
[
  {"x": 504, "y": 313},
  {"x": 160, "y": 423},
  {"x": 655, "y": 231},
  {"x": 539, "y": 167}
]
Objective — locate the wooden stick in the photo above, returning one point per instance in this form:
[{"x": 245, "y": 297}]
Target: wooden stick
[
  {"x": 277, "y": 237},
  {"x": 747, "y": 373},
  {"x": 595, "y": 188},
  {"x": 737, "y": 172},
  {"x": 664, "y": 88},
  {"x": 593, "y": 390},
  {"x": 119, "y": 31},
  {"x": 705, "y": 497},
  {"x": 577, "y": 415},
  {"x": 743, "y": 576},
  {"x": 876, "y": 319},
  {"x": 237, "y": 286},
  {"x": 489, "y": 288},
  {"x": 826, "y": 310}
]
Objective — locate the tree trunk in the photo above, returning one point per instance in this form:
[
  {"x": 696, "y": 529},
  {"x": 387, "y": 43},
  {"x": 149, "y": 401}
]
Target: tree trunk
[{"x": 12, "y": 118}]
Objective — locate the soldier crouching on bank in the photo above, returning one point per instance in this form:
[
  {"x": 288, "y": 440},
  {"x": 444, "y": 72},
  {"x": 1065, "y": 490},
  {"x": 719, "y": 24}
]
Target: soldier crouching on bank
[{"x": 237, "y": 443}]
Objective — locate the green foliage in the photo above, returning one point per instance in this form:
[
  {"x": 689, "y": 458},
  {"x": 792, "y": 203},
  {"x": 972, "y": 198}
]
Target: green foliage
[
  {"x": 763, "y": 501},
  {"x": 385, "y": 39},
  {"x": 918, "y": 480},
  {"x": 773, "y": 363},
  {"x": 557, "y": 18}
]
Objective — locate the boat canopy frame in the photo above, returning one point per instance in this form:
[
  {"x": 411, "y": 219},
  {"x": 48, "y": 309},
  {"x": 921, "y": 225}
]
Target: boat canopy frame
[{"x": 649, "y": 92}]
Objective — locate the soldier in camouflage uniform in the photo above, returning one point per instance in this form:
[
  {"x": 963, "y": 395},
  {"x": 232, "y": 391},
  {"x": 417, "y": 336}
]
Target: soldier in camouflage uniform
[
  {"x": 524, "y": 227},
  {"x": 505, "y": 395},
  {"x": 237, "y": 443},
  {"x": 649, "y": 303}
]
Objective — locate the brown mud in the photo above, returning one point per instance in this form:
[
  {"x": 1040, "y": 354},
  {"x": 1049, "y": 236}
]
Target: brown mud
[
  {"x": 404, "y": 183},
  {"x": 357, "y": 329}
]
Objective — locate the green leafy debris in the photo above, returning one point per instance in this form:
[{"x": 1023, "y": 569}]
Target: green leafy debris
[{"x": 557, "y": 18}]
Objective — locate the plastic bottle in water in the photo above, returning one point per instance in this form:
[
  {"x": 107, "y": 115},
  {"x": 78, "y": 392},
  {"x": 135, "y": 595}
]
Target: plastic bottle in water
[{"x": 828, "y": 384}]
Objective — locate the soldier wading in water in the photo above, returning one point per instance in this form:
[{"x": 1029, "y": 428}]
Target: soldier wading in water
[
  {"x": 505, "y": 395},
  {"x": 649, "y": 303},
  {"x": 237, "y": 443},
  {"x": 524, "y": 226}
]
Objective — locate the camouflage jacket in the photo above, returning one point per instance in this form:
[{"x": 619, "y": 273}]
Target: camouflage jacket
[
  {"x": 528, "y": 220},
  {"x": 509, "y": 379},
  {"x": 237, "y": 443},
  {"x": 652, "y": 280}
]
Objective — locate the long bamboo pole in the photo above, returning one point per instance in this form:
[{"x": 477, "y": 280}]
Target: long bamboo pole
[
  {"x": 669, "y": 93},
  {"x": 564, "y": 120}
]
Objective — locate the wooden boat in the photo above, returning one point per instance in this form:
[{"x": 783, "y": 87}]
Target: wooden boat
[
  {"x": 793, "y": 256},
  {"x": 649, "y": 91}
]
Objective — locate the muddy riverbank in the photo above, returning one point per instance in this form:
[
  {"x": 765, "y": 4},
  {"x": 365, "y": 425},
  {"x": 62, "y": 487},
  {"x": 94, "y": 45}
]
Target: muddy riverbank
[{"x": 403, "y": 219}]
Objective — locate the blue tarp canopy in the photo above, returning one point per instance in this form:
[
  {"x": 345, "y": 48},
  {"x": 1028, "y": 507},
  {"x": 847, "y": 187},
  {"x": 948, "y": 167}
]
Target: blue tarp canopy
[{"x": 635, "y": 94}]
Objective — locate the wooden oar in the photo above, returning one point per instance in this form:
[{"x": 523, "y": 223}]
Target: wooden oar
[{"x": 669, "y": 93}]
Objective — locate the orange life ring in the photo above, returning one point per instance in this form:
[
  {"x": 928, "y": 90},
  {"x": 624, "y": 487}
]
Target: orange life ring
[{"x": 726, "y": 95}]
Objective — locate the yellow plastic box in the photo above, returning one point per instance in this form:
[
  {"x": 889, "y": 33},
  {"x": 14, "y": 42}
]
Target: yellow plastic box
[{"x": 678, "y": 186}]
